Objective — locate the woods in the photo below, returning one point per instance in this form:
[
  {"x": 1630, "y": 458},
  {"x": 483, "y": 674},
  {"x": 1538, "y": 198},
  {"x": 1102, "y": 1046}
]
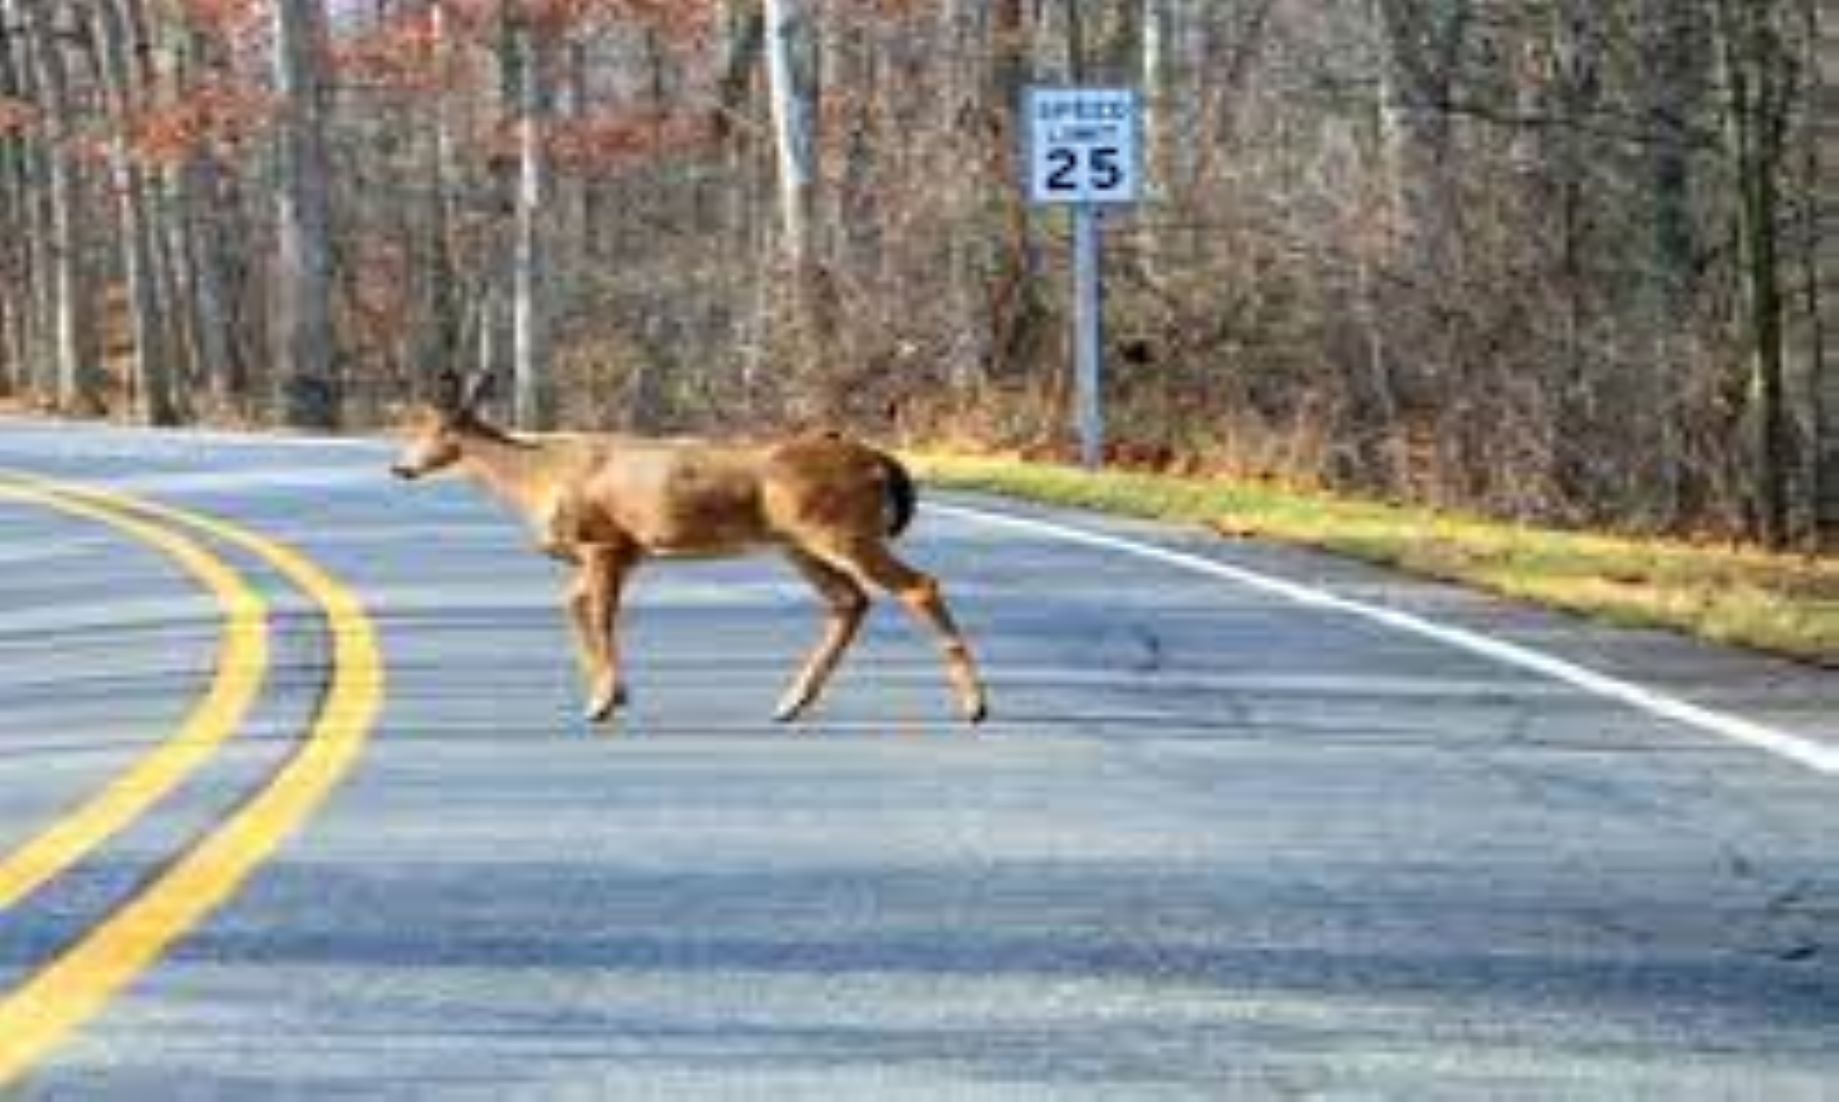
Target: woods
[{"x": 1554, "y": 260}]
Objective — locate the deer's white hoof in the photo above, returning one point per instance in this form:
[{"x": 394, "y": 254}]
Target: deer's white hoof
[
  {"x": 601, "y": 708},
  {"x": 791, "y": 708}
]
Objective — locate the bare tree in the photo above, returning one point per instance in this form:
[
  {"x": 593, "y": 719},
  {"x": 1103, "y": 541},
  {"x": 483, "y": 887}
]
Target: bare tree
[
  {"x": 18, "y": 334},
  {"x": 76, "y": 381},
  {"x": 790, "y": 46},
  {"x": 533, "y": 388},
  {"x": 1816, "y": 276},
  {"x": 1758, "y": 76},
  {"x": 303, "y": 337},
  {"x": 116, "y": 26}
]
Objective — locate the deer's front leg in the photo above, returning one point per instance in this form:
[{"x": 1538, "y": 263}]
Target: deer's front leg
[
  {"x": 588, "y": 645},
  {"x": 594, "y": 606},
  {"x": 558, "y": 534}
]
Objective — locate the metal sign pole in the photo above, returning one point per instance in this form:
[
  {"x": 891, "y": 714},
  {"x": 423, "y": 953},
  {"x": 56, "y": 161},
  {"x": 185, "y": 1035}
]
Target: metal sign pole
[
  {"x": 1089, "y": 334},
  {"x": 1085, "y": 151}
]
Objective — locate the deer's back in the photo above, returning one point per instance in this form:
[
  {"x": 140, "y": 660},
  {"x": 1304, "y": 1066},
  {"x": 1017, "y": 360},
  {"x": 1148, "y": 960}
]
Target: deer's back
[{"x": 698, "y": 497}]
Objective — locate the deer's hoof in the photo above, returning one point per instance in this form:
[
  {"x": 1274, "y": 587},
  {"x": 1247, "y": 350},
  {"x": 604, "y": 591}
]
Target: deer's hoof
[
  {"x": 602, "y": 707},
  {"x": 976, "y": 711},
  {"x": 792, "y": 706}
]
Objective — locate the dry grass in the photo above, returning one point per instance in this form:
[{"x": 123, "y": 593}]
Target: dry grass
[{"x": 1783, "y": 604}]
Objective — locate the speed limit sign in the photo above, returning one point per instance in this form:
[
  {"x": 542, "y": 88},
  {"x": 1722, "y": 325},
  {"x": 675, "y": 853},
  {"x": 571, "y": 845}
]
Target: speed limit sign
[
  {"x": 1085, "y": 151},
  {"x": 1083, "y": 145}
]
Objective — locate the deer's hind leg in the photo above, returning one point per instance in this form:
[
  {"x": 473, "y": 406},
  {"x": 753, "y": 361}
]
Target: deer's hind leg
[
  {"x": 848, "y": 604},
  {"x": 871, "y": 562}
]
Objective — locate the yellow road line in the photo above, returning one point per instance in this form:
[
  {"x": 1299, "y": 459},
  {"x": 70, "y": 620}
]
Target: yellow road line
[
  {"x": 242, "y": 663},
  {"x": 77, "y": 985}
]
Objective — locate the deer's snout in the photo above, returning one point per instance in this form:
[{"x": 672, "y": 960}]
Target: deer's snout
[{"x": 419, "y": 458}]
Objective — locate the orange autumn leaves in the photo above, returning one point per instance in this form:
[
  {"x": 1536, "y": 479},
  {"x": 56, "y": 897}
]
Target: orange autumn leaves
[{"x": 218, "y": 100}]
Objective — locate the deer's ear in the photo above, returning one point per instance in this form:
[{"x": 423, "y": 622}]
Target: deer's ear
[
  {"x": 449, "y": 391},
  {"x": 478, "y": 389}
]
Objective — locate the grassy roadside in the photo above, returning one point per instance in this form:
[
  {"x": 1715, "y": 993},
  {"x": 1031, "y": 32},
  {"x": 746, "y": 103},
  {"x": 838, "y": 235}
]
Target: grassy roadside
[{"x": 1784, "y": 604}]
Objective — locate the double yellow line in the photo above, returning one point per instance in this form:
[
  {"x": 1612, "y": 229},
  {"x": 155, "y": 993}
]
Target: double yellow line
[{"x": 72, "y": 988}]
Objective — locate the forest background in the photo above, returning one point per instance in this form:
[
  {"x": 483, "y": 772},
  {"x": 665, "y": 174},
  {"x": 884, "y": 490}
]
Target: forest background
[{"x": 1555, "y": 261}]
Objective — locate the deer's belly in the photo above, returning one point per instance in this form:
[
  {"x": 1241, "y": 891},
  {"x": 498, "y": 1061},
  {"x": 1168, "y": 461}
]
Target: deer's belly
[
  {"x": 704, "y": 524},
  {"x": 709, "y": 549}
]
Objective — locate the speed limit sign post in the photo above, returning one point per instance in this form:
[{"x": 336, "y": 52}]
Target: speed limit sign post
[{"x": 1085, "y": 151}]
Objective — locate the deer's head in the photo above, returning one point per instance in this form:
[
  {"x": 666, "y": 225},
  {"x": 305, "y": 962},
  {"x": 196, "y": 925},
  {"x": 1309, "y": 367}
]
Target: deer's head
[{"x": 434, "y": 434}]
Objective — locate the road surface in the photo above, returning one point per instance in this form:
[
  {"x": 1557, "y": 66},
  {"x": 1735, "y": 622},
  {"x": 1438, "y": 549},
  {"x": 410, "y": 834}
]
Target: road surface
[{"x": 1217, "y": 841}]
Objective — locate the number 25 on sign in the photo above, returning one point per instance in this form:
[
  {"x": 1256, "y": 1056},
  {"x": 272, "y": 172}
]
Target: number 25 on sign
[{"x": 1083, "y": 145}]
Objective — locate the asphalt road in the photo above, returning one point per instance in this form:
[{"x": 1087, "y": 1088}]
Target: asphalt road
[{"x": 1214, "y": 843}]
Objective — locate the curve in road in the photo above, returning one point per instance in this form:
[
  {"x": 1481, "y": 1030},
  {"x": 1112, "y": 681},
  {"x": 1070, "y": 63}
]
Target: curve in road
[
  {"x": 53, "y": 1002},
  {"x": 241, "y": 665}
]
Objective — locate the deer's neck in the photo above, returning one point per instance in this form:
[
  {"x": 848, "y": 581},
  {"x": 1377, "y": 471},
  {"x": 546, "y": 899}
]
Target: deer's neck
[{"x": 523, "y": 475}]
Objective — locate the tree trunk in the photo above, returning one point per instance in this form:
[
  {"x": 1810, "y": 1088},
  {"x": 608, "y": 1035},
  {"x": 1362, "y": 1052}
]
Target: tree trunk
[
  {"x": 302, "y": 337},
  {"x": 1078, "y": 55},
  {"x": 1156, "y": 21},
  {"x": 76, "y": 380},
  {"x": 1754, "y": 71},
  {"x": 1424, "y": 41},
  {"x": 37, "y": 293},
  {"x": 200, "y": 192},
  {"x": 148, "y": 311},
  {"x": 1679, "y": 42},
  {"x": 533, "y": 387},
  {"x": 195, "y": 195},
  {"x": 1014, "y": 311},
  {"x": 436, "y": 339},
  {"x": 743, "y": 41},
  {"x": 790, "y": 46},
  {"x": 1816, "y": 270},
  {"x": 790, "y": 81},
  {"x": 17, "y": 278}
]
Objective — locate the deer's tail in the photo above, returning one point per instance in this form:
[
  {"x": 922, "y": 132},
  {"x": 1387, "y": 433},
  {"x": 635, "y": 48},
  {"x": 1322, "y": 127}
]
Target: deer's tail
[{"x": 903, "y": 496}]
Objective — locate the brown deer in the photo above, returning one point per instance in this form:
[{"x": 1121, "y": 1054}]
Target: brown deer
[{"x": 607, "y": 503}]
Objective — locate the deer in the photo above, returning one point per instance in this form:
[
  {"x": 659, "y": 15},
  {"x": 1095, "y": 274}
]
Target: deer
[{"x": 606, "y": 503}]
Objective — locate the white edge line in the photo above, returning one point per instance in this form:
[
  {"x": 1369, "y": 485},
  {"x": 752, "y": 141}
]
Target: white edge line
[{"x": 1820, "y": 757}]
